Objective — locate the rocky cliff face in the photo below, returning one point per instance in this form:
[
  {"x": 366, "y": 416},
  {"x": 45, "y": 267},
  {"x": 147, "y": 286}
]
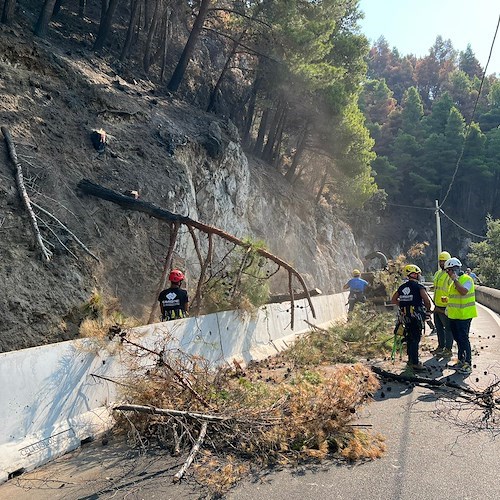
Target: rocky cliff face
[
  {"x": 175, "y": 156},
  {"x": 250, "y": 199}
]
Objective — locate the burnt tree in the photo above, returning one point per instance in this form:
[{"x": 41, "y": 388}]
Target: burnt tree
[
  {"x": 176, "y": 220},
  {"x": 180, "y": 69},
  {"x": 42, "y": 24},
  {"x": 8, "y": 10},
  {"x": 107, "y": 12}
]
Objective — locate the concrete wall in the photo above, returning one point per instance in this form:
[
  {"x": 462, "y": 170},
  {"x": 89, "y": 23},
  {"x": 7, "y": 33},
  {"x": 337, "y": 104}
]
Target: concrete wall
[
  {"x": 56, "y": 396},
  {"x": 489, "y": 297}
]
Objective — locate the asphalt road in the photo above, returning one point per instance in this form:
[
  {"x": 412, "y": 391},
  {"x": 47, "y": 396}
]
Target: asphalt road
[
  {"x": 435, "y": 450},
  {"x": 434, "y": 447}
]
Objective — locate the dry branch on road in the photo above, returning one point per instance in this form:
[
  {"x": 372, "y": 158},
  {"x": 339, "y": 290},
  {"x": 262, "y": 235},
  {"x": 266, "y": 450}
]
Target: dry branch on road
[{"x": 487, "y": 400}]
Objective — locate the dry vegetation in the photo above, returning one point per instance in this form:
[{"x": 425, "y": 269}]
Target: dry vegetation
[{"x": 288, "y": 409}]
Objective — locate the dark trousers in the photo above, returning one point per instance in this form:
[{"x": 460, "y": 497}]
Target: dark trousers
[
  {"x": 355, "y": 298},
  {"x": 460, "y": 329},
  {"x": 413, "y": 331},
  {"x": 443, "y": 330}
]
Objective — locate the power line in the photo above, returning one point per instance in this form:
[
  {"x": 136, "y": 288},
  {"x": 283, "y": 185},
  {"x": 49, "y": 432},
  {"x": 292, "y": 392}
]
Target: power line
[
  {"x": 463, "y": 228},
  {"x": 467, "y": 128},
  {"x": 410, "y": 206}
]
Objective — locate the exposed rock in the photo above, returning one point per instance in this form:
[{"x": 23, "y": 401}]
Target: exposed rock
[{"x": 213, "y": 141}]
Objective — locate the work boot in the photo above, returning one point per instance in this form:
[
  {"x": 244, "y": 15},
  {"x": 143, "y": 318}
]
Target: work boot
[
  {"x": 417, "y": 367},
  {"x": 438, "y": 351},
  {"x": 465, "y": 369},
  {"x": 455, "y": 366},
  {"x": 447, "y": 353}
]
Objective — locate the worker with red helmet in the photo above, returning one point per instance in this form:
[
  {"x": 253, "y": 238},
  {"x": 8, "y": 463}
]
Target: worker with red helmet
[{"x": 174, "y": 300}]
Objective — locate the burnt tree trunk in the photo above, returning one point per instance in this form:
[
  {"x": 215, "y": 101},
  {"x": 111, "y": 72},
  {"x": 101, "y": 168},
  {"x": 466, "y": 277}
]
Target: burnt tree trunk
[
  {"x": 215, "y": 91},
  {"x": 279, "y": 138},
  {"x": 262, "y": 132},
  {"x": 57, "y": 7},
  {"x": 153, "y": 26},
  {"x": 180, "y": 69},
  {"x": 8, "y": 11},
  {"x": 249, "y": 116},
  {"x": 166, "y": 39},
  {"x": 273, "y": 132},
  {"x": 105, "y": 24},
  {"x": 42, "y": 24},
  {"x": 130, "y": 31},
  {"x": 82, "y": 7}
]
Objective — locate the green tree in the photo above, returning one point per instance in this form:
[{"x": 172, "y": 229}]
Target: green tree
[
  {"x": 491, "y": 119},
  {"x": 485, "y": 255},
  {"x": 455, "y": 130},
  {"x": 440, "y": 112},
  {"x": 468, "y": 63},
  {"x": 412, "y": 113},
  {"x": 385, "y": 174},
  {"x": 462, "y": 91}
]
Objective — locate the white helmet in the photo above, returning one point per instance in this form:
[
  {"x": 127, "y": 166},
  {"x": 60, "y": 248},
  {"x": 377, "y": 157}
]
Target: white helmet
[{"x": 453, "y": 262}]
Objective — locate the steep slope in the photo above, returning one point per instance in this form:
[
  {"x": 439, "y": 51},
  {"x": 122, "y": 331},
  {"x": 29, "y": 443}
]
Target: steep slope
[{"x": 174, "y": 155}]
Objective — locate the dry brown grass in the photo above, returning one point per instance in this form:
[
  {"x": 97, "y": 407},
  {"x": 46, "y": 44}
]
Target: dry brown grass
[{"x": 99, "y": 314}]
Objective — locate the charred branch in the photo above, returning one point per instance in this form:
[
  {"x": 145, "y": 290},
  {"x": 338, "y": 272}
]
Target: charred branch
[{"x": 151, "y": 209}]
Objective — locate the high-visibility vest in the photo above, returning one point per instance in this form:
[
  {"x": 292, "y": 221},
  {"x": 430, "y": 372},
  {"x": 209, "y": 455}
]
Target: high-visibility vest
[
  {"x": 442, "y": 284},
  {"x": 461, "y": 306}
]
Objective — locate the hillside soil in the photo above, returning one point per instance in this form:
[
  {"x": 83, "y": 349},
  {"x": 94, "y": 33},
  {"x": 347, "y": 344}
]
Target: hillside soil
[{"x": 53, "y": 94}]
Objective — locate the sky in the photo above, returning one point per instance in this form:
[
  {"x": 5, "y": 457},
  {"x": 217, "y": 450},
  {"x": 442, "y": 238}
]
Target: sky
[{"x": 412, "y": 26}]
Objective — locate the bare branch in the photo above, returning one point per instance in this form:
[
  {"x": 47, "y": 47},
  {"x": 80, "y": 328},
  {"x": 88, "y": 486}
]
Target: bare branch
[
  {"x": 252, "y": 50},
  {"x": 177, "y": 477},
  {"x": 22, "y": 192},
  {"x": 171, "y": 413},
  {"x": 56, "y": 237},
  {"x": 166, "y": 268},
  {"x": 77, "y": 240}
]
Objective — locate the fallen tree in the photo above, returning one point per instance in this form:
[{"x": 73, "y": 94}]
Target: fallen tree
[
  {"x": 244, "y": 420},
  {"x": 175, "y": 221},
  {"x": 24, "y": 194},
  {"x": 29, "y": 204}
]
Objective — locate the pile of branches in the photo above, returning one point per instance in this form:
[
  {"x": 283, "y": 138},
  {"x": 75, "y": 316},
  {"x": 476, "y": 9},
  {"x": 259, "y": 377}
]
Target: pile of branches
[
  {"x": 233, "y": 419},
  {"x": 368, "y": 334}
]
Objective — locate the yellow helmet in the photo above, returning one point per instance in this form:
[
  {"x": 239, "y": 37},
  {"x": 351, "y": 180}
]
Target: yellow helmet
[
  {"x": 444, "y": 256},
  {"x": 356, "y": 272},
  {"x": 412, "y": 268}
]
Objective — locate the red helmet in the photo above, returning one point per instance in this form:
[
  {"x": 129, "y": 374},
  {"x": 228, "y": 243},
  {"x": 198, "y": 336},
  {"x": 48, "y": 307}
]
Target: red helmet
[{"x": 175, "y": 276}]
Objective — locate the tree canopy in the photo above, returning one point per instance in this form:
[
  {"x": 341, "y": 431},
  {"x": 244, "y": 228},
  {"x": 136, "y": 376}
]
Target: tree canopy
[{"x": 429, "y": 120}]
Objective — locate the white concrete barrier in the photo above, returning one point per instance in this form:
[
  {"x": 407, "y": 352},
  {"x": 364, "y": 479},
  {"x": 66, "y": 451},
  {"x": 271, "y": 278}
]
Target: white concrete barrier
[
  {"x": 56, "y": 396},
  {"x": 489, "y": 297}
]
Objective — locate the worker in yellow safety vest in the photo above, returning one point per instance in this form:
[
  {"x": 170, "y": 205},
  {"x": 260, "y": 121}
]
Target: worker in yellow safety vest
[
  {"x": 442, "y": 283},
  {"x": 460, "y": 310}
]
